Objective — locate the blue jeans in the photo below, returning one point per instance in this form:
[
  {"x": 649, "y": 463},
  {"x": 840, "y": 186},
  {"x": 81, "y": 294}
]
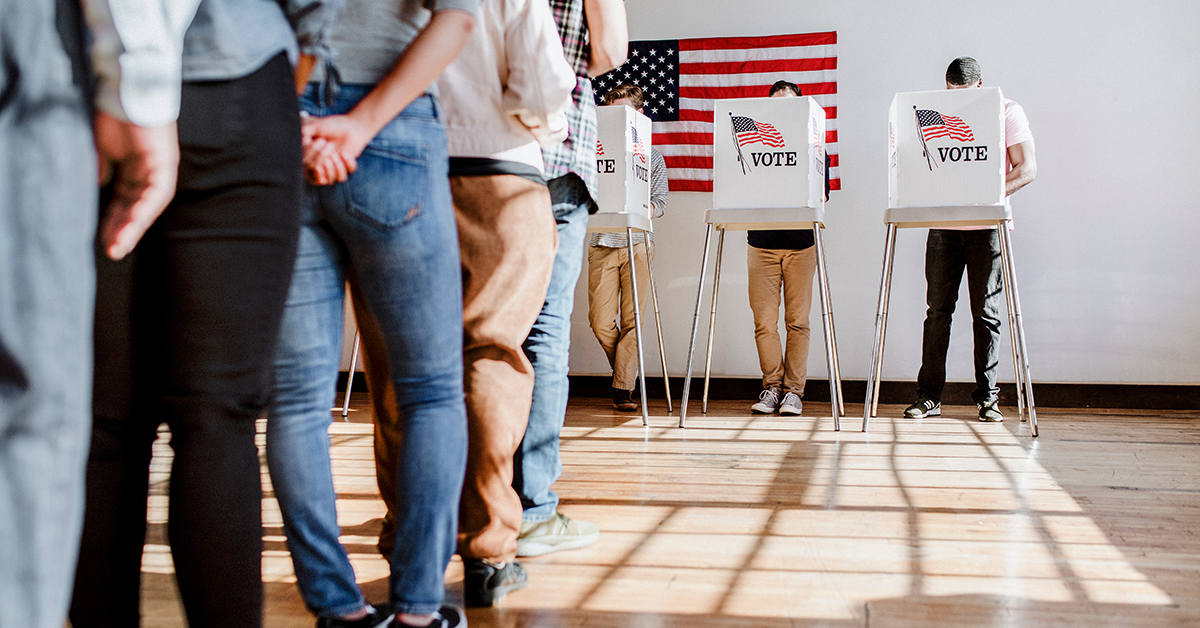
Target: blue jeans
[
  {"x": 389, "y": 230},
  {"x": 47, "y": 222},
  {"x": 947, "y": 254},
  {"x": 537, "y": 464}
]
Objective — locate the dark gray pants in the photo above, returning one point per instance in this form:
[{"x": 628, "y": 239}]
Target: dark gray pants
[
  {"x": 947, "y": 254},
  {"x": 47, "y": 222}
]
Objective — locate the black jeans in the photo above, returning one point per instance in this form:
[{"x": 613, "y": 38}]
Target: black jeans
[
  {"x": 186, "y": 334},
  {"x": 947, "y": 254}
]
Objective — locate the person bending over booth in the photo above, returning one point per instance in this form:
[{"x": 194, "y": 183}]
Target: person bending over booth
[
  {"x": 782, "y": 259},
  {"x": 610, "y": 295},
  {"x": 948, "y": 252}
]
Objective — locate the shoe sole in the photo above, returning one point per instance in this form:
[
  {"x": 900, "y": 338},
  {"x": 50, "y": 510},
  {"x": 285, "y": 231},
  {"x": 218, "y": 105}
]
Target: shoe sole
[
  {"x": 627, "y": 408},
  {"x": 934, "y": 412},
  {"x": 791, "y": 411},
  {"x": 540, "y": 548},
  {"x": 756, "y": 408},
  {"x": 989, "y": 420}
]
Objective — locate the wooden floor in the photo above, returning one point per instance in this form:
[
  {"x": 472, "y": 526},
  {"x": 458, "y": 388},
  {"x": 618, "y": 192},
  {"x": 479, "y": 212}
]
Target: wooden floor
[{"x": 762, "y": 521}]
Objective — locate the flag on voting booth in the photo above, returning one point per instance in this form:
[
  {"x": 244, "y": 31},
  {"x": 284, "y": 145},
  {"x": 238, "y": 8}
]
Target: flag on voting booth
[
  {"x": 680, "y": 79},
  {"x": 946, "y": 148}
]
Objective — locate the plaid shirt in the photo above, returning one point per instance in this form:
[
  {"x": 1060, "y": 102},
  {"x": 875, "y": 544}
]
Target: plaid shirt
[{"x": 577, "y": 153}]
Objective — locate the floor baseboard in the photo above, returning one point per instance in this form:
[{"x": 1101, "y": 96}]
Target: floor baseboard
[{"x": 1050, "y": 395}]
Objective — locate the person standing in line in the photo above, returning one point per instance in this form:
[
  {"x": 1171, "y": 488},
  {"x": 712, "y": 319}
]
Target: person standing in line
[
  {"x": 610, "y": 296},
  {"x": 507, "y": 92},
  {"x": 784, "y": 259},
  {"x": 378, "y": 215},
  {"x": 975, "y": 250},
  {"x": 51, "y": 139},
  {"x": 185, "y": 333},
  {"x": 595, "y": 39}
]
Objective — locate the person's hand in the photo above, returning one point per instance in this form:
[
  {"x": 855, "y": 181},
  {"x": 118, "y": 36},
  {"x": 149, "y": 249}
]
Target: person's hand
[
  {"x": 331, "y": 147},
  {"x": 145, "y": 164}
]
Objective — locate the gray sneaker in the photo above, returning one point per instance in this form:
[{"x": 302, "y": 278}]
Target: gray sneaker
[
  {"x": 990, "y": 412},
  {"x": 923, "y": 408},
  {"x": 768, "y": 402},
  {"x": 791, "y": 404},
  {"x": 556, "y": 534}
]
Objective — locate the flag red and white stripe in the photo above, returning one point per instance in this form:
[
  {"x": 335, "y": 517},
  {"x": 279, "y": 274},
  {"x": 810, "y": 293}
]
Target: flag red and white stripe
[{"x": 742, "y": 67}]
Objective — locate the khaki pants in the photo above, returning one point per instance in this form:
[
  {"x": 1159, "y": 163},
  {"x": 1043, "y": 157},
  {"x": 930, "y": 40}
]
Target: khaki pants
[
  {"x": 767, "y": 270},
  {"x": 610, "y": 307},
  {"x": 507, "y": 239}
]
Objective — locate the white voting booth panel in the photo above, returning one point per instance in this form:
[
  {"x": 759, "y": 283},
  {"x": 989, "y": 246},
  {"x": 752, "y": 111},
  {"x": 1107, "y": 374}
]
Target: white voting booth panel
[
  {"x": 946, "y": 148},
  {"x": 623, "y": 168},
  {"x": 768, "y": 153}
]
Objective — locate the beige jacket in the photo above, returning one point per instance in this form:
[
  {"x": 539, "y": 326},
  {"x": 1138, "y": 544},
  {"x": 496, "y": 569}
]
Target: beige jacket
[{"x": 509, "y": 89}]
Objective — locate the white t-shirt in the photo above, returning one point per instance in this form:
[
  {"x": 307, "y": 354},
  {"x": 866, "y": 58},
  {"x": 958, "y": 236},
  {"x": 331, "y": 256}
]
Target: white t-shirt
[{"x": 1016, "y": 128}]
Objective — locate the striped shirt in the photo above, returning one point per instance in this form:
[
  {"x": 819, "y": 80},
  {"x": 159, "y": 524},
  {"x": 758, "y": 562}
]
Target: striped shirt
[
  {"x": 658, "y": 198},
  {"x": 577, "y": 153}
]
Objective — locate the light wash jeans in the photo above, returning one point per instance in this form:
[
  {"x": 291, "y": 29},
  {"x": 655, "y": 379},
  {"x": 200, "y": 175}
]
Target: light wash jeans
[
  {"x": 47, "y": 283},
  {"x": 537, "y": 464},
  {"x": 390, "y": 230}
]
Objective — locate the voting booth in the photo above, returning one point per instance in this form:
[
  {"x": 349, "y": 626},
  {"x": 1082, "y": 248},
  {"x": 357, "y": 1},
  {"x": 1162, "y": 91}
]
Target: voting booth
[
  {"x": 623, "y": 170},
  {"x": 946, "y": 169},
  {"x": 768, "y": 173},
  {"x": 623, "y": 167}
]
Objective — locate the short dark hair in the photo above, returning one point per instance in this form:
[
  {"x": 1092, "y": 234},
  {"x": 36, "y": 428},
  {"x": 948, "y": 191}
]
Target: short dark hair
[
  {"x": 963, "y": 71},
  {"x": 779, "y": 86},
  {"x": 625, "y": 90}
]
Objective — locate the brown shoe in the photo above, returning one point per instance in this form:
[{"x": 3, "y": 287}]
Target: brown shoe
[{"x": 623, "y": 400}]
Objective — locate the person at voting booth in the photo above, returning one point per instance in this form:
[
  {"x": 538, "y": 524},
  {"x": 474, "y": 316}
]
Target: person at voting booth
[
  {"x": 782, "y": 259},
  {"x": 610, "y": 297},
  {"x": 975, "y": 250}
]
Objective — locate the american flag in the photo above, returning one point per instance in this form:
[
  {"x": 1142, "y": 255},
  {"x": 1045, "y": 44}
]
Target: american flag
[
  {"x": 749, "y": 131},
  {"x": 599, "y": 148},
  {"x": 639, "y": 148},
  {"x": 933, "y": 124},
  {"x": 680, "y": 78}
]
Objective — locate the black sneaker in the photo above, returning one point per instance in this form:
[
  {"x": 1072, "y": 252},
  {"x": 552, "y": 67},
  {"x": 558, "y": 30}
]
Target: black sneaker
[
  {"x": 990, "y": 412},
  {"x": 623, "y": 400},
  {"x": 486, "y": 583},
  {"x": 379, "y": 618},
  {"x": 923, "y": 408}
]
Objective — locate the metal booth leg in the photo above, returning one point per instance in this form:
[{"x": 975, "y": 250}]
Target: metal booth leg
[
  {"x": 1012, "y": 330},
  {"x": 350, "y": 376},
  {"x": 687, "y": 374},
  {"x": 637, "y": 324},
  {"x": 871, "y": 403},
  {"x": 662, "y": 352},
  {"x": 712, "y": 321},
  {"x": 835, "y": 398},
  {"x": 1011, "y": 269}
]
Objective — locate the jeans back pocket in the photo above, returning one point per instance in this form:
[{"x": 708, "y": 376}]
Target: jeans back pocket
[{"x": 391, "y": 185}]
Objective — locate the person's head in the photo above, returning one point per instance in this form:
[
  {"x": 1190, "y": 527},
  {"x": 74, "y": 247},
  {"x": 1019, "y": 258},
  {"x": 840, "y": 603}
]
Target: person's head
[
  {"x": 784, "y": 89},
  {"x": 625, "y": 94},
  {"x": 963, "y": 72}
]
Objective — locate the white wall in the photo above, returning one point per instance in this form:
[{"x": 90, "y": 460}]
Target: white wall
[{"x": 1106, "y": 236}]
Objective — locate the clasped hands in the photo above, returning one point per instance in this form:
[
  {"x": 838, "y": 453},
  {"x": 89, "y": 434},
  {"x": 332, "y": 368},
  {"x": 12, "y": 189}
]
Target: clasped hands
[{"x": 332, "y": 145}]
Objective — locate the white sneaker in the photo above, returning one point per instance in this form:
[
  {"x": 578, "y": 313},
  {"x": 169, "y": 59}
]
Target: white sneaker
[
  {"x": 768, "y": 402},
  {"x": 791, "y": 404}
]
